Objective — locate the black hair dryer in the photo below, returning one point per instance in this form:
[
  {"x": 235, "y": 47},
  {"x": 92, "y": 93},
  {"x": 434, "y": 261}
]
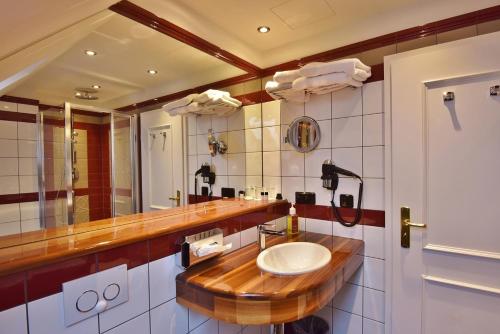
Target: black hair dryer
[
  {"x": 208, "y": 177},
  {"x": 330, "y": 177}
]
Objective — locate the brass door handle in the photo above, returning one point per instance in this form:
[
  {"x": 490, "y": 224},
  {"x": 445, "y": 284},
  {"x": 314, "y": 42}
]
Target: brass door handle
[
  {"x": 405, "y": 226},
  {"x": 177, "y": 198}
]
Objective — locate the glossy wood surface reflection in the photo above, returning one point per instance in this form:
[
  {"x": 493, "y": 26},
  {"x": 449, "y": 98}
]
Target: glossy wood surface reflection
[
  {"x": 54, "y": 245},
  {"x": 233, "y": 289}
]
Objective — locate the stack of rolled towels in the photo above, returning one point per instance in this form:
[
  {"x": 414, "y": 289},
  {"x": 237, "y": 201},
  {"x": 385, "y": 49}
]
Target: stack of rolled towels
[
  {"x": 210, "y": 102},
  {"x": 317, "y": 78}
]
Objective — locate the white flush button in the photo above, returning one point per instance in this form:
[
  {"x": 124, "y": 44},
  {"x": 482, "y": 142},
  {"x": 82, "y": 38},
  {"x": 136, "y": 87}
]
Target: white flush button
[
  {"x": 87, "y": 301},
  {"x": 112, "y": 291}
]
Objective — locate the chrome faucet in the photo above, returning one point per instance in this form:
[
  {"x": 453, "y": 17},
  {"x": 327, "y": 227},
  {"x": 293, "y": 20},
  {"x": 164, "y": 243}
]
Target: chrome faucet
[{"x": 261, "y": 234}]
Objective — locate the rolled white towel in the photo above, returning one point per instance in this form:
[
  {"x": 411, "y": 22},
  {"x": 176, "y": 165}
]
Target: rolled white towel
[
  {"x": 286, "y": 76},
  {"x": 180, "y": 102},
  {"x": 210, "y": 94},
  {"x": 182, "y": 110},
  {"x": 361, "y": 75},
  {"x": 347, "y": 66}
]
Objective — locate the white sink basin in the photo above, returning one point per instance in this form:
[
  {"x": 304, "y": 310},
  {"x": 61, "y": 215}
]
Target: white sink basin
[{"x": 294, "y": 258}]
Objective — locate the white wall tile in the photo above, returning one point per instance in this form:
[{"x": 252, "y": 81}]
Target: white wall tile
[
  {"x": 253, "y": 117},
  {"x": 374, "y": 241},
  {"x": 319, "y": 226},
  {"x": 372, "y": 327},
  {"x": 46, "y": 316},
  {"x": 251, "y": 330},
  {"x": 9, "y": 166},
  {"x": 162, "y": 275},
  {"x": 271, "y": 138},
  {"x": 227, "y": 328},
  {"x": 325, "y": 127},
  {"x": 13, "y": 320},
  {"x": 319, "y": 107},
  {"x": 349, "y": 299},
  {"x": 27, "y": 108},
  {"x": 346, "y": 323},
  {"x": 192, "y": 145},
  {"x": 323, "y": 195},
  {"x": 26, "y": 148},
  {"x": 294, "y": 165},
  {"x": 357, "y": 277},
  {"x": 9, "y": 212},
  {"x": 235, "y": 240},
  {"x": 326, "y": 313},
  {"x": 209, "y": 327},
  {"x": 236, "y": 121},
  {"x": 253, "y": 140},
  {"x": 8, "y": 129},
  {"x": 236, "y": 164},
  {"x": 272, "y": 163},
  {"x": 30, "y": 225},
  {"x": 221, "y": 181},
  {"x": 10, "y": 185},
  {"x": 220, "y": 164},
  {"x": 202, "y": 144},
  {"x": 10, "y": 228},
  {"x": 253, "y": 164},
  {"x": 290, "y": 111},
  {"x": 28, "y": 166},
  {"x": 236, "y": 141},
  {"x": 219, "y": 124},
  {"x": 355, "y": 232},
  {"x": 8, "y": 106},
  {"x": 196, "y": 319},
  {"x": 349, "y": 158},
  {"x": 314, "y": 161},
  {"x": 204, "y": 159},
  {"x": 248, "y": 236},
  {"x": 192, "y": 164},
  {"x": 139, "y": 325},
  {"x": 373, "y": 161},
  {"x": 373, "y": 194},
  {"x": 290, "y": 185},
  {"x": 138, "y": 300},
  {"x": 374, "y": 273},
  {"x": 373, "y": 97},
  {"x": 203, "y": 124},
  {"x": 253, "y": 180},
  {"x": 26, "y": 131},
  {"x": 28, "y": 184},
  {"x": 373, "y": 304},
  {"x": 347, "y": 132},
  {"x": 271, "y": 113},
  {"x": 237, "y": 182},
  {"x": 348, "y": 186},
  {"x": 346, "y": 103},
  {"x": 191, "y": 125},
  {"x": 8, "y": 148},
  {"x": 169, "y": 318},
  {"x": 373, "y": 130},
  {"x": 272, "y": 185}
]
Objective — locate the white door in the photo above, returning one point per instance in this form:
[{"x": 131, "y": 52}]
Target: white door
[
  {"x": 444, "y": 164},
  {"x": 162, "y": 160}
]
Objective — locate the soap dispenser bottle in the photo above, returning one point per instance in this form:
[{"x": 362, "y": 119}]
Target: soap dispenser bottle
[{"x": 292, "y": 221}]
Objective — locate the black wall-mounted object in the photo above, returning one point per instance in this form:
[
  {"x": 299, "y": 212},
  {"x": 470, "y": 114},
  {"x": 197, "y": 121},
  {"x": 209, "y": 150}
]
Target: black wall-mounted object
[
  {"x": 227, "y": 192},
  {"x": 346, "y": 201},
  {"x": 204, "y": 191},
  {"x": 305, "y": 197}
]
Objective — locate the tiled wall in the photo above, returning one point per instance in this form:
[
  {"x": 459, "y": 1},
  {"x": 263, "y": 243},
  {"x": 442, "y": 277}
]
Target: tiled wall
[
  {"x": 18, "y": 169},
  {"x": 241, "y": 166}
]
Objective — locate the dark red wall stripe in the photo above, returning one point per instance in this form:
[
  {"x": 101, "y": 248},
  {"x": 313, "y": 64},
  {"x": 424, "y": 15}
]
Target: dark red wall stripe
[
  {"x": 324, "y": 212},
  {"x": 17, "y": 116},
  {"x": 21, "y": 100}
]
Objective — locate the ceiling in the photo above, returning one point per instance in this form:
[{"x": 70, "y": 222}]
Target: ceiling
[{"x": 125, "y": 51}]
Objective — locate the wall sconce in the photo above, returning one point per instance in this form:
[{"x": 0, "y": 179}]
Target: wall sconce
[{"x": 215, "y": 145}]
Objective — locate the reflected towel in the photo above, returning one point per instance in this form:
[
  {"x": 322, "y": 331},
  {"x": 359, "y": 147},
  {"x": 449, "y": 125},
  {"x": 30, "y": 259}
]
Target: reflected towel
[{"x": 286, "y": 76}]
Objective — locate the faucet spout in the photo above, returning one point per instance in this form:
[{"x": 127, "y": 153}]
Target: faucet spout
[{"x": 263, "y": 231}]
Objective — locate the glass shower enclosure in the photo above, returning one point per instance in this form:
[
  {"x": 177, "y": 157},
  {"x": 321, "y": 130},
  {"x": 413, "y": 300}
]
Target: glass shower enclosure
[{"x": 86, "y": 165}]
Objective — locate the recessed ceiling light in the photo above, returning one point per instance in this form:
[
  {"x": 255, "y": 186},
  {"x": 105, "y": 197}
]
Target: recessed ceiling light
[
  {"x": 78, "y": 94},
  {"x": 152, "y": 72},
  {"x": 96, "y": 86},
  {"x": 90, "y": 53},
  {"x": 263, "y": 29}
]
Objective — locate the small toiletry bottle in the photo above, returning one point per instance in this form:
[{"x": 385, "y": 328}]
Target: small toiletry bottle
[{"x": 292, "y": 221}]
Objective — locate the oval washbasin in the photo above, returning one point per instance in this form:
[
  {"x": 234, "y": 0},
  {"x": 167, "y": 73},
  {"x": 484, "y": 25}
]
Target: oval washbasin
[{"x": 294, "y": 258}]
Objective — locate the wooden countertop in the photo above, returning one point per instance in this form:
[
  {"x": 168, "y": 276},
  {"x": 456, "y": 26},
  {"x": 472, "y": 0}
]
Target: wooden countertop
[
  {"x": 35, "y": 249},
  {"x": 232, "y": 288}
]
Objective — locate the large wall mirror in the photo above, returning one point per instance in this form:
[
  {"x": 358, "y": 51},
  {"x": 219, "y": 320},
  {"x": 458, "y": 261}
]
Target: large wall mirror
[{"x": 91, "y": 161}]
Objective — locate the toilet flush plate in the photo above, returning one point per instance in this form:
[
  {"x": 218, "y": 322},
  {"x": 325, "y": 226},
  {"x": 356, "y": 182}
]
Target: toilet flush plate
[{"x": 93, "y": 294}]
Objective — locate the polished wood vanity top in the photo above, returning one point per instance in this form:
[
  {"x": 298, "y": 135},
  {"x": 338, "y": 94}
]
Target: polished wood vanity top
[
  {"x": 232, "y": 288},
  {"x": 35, "y": 249}
]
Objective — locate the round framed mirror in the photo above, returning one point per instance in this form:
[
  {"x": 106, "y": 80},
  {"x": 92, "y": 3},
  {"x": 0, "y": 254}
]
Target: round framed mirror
[{"x": 303, "y": 134}]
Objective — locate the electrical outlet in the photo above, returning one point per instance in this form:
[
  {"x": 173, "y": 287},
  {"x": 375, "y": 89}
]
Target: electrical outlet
[{"x": 93, "y": 294}]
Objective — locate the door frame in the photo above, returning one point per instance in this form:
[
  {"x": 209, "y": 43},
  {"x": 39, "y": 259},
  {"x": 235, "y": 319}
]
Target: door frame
[{"x": 392, "y": 228}]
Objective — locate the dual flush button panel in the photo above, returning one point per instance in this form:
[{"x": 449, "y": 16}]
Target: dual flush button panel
[{"x": 93, "y": 294}]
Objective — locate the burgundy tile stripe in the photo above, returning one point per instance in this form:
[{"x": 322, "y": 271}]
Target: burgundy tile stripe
[
  {"x": 133, "y": 255},
  {"x": 33, "y": 197},
  {"x": 48, "y": 280},
  {"x": 17, "y": 116},
  {"x": 13, "y": 289},
  {"x": 21, "y": 100},
  {"x": 201, "y": 199},
  {"x": 324, "y": 212}
]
